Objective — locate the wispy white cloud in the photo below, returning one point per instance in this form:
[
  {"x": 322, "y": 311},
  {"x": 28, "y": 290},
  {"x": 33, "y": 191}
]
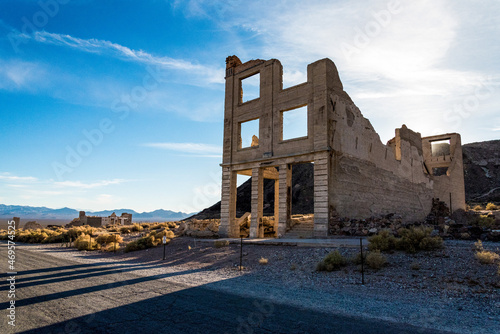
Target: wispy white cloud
[
  {"x": 83, "y": 185},
  {"x": 9, "y": 177},
  {"x": 211, "y": 74},
  {"x": 187, "y": 147},
  {"x": 403, "y": 66}
]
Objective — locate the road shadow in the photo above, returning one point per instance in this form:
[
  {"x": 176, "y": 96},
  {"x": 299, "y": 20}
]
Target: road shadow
[{"x": 206, "y": 310}]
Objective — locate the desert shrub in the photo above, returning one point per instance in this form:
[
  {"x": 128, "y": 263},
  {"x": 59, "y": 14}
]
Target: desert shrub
[
  {"x": 159, "y": 235},
  {"x": 415, "y": 266},
  {"x": 477, "y": 207},
  {"x": 111, "y": 247},
  {"x": 157, "y": 226},
  {"x": 376, "y": 260},
  {"x": 431, "y": 243},
  {"x": 142, "y": 243},
  {"x": 263, "y": 261},
  {"x": 113, "y": 229},
  {"x": 31, "y": 236},
  {"x": 125, "y": 229},
  {"x": 172, "y": 225},
  {"x": 383, "y": 241},
  {"x": 486, "y": 257},
  {"x": 221, "y": 243},
  {"x": 76, "y": 231},
  {"x": 85, "y": 242},
  {"x": 332, "y": 261},
  {"x": 107, "y": 238},
  {"x": 4, "y": 235},
  {"x": 414, "y": 239},
  {"x": 356, "y": 259},
  {"x": 136, "y": 228},
  {"x": 491, "y": 206},
  {"x": 484, "y": 221},
  {"x": 55, "y": 237}
]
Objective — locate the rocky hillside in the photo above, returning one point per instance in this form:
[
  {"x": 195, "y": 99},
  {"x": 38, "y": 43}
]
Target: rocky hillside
[{"x": 481, "y": 169}]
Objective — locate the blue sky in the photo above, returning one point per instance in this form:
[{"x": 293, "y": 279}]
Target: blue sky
[{"x": 119, "y": 104}]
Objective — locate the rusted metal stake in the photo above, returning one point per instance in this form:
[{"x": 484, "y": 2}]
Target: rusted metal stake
[
  {"x": 362, "y": 262},
  {"x": 241, "y": 252}
]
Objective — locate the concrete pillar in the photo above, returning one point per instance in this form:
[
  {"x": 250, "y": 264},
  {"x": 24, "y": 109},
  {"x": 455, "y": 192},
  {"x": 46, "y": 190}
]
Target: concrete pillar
[
  {"x": 285, "y": 198},
  {"x": 257, "y": 202},
  {"x": 321, "y": 203},
  {"x": 228, "y": 226}
]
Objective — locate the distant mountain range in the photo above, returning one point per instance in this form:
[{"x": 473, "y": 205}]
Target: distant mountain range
[{"x": 30, "y": 212}]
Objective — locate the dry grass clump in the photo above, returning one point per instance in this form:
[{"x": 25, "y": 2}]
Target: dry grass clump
[
  {"x": 159, "y": 235},
  {"x": 263, "y": 261},
  {"x": 142, "y": 243},
  {"x": 136, "y": 227},
  {"x": 477, "y": 207},
  {"x": 76, "y": 231},
  {"x": 484, "y": 256},
  {"x": 412, "y": 239},
  {"x": 383, "y": 241},
  {"x": 111, "y": 247},
  {"x": 376, "y": 260},
  {"x": 153, "y": 239},
  {"x": 125, "y": 229},
  {"x": 157, "y": 226},
  {"x": 221, "y": 243},
  {"x": 484, "y": 221},
  {"x": 86, "y": 242},
  {"x": 491, "y": 206},
  {"x": 107, "y": 238},
  {"x": 332, "y": 261}
]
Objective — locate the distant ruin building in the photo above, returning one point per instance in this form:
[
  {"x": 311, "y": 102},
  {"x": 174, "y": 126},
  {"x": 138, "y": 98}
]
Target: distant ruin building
[
  {"x": 95, "y": 221},
  {"x": 17, "y": 222},
  {"x": 355, "y": 174}
]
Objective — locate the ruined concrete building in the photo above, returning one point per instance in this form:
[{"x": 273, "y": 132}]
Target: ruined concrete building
[
  {"x": 355, "y": 174},
  {"x": 95, "y": 221}
]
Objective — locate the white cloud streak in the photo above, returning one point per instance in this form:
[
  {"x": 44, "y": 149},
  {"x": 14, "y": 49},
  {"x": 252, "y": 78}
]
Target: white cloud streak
[
  {"x": 187, "y": 147},
  {"x": 83, "y": 185},
  {"x": 212, "y": 75}
]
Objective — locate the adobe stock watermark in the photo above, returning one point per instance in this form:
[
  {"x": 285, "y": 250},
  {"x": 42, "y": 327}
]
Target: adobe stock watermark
[
  {"x": 262, "y": 310},
  {"x": 204, "y": 196},
  {"x": 372, "y": 29},
  {"x": 48, "y": 10},
  {"x": 93, "y": 138},
  {"x": 470, "y": 104}
]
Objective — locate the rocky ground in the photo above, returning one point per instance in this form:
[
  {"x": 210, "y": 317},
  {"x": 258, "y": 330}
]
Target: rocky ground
[{"x": 445, "y": 289}]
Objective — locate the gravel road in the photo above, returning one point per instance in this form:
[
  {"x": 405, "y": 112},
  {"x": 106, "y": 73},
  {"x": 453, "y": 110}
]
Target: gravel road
[{"x": 198, "y": 290}]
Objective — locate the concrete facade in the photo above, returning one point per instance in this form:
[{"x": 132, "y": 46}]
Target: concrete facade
[
  {"x": 95, "y": 221},
  {"x": 355, "y": 174}
]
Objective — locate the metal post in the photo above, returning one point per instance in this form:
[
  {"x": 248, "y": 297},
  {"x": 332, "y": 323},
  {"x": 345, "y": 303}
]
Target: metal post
[
  {"x": 114, "y": 246},
  {"x": 451, "y": 207},
  {"x": 241, "y": 252},
  {"x": 90, "y": 241},
  {"x": 362, "y": 262},
  {"x": 164, "y": 244}
]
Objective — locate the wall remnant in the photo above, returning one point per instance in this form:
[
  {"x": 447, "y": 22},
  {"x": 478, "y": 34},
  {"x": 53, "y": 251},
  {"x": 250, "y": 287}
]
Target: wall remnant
[{"x": 355, "y": 174}]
